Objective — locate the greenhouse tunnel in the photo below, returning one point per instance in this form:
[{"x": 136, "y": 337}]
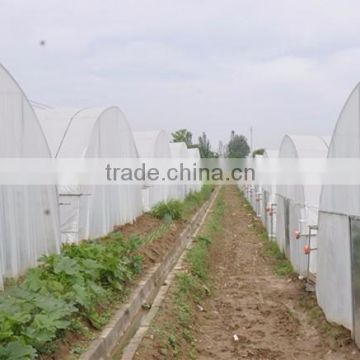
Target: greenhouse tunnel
[
  {"x": 194, "y": 155},
  {"x": 90, "y": 211},
  {"x": 154, "y": 144},
  {"x": 338, "y": 278},
  {"x": 29, "y": 225},
  {"x": 179, "y": 153},
  {"x": 298, "y": 206}
]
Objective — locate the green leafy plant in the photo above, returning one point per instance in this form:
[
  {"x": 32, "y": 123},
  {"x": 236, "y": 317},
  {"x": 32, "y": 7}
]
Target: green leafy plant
[
  {"x": 17, "y": 350},
  {"x": 78, "y": 283}
]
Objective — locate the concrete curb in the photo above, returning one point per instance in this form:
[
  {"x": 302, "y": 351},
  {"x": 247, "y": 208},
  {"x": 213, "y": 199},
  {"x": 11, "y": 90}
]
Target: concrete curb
[{"x": 145, "y": 292}]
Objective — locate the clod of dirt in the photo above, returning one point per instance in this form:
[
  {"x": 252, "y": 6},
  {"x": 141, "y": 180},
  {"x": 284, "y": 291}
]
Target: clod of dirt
[{"x": 146, "y": 306}]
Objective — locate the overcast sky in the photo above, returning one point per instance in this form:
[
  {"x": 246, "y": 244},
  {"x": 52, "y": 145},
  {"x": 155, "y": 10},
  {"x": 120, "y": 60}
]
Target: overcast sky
[{"x": 279, "y": 66}]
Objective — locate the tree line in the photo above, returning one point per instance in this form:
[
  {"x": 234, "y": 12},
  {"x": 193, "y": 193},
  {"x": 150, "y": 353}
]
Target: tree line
[{"x": 236, "y": 147}]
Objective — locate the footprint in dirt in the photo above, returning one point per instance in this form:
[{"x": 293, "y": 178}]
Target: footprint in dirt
[
  {"x": 258, "y": 333},
  {"x": 260, "y": 354}
]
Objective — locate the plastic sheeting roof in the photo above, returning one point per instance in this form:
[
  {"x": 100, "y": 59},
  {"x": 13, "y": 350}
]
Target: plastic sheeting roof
[
  {"x": 271, "y": 153},
  {"x": 179, "y": 150},
  {"x": 29, "y": 214},
  {"x": 153, "y": 144},
  {"x": 89, "y": 132},
  {"x": 345, "y": 143},
  {"x": 194, "y": 153},
  {"x": 303, "y": 147},
  {"x": 21, "y": 134}
]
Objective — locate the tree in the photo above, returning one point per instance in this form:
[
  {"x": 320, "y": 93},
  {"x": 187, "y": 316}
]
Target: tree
[
  {"x": 183, "y": 135},
  {"x": 258, "y": 152},
  {"x": 205, "y": 147},
  {"x": 237, "y": 146}
]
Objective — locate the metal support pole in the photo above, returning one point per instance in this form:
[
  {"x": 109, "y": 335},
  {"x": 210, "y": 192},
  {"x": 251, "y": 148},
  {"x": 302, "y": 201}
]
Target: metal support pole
[
  {"x": 272, "y": 210},
  {"x": 310, "y": 234}
]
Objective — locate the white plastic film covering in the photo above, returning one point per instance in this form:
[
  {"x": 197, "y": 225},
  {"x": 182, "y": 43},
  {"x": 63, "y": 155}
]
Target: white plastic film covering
[
  {"x": 280, "y": 222},
  {"x": 29, "y": 225},
  {"x": 153, "y": 144},
  {"x": 253, "y": 195},
  {"x": 333, "y": 280},
  {"x": 258, "y": 199},
  {"x": 248, "y": 190},
  {"x": 345, "y": 143},
  {"x": 178, "y": 150},
  {"x": 337, "y": 203},
  {"x": 270, "y": 213},
  {"x": 303, "y": 203},
  {"x": 194, "y": 155},
  {"x": 92, "y": 211},
  {"x": 270, "y": 154},
  {"x": 269, "y": 199}
]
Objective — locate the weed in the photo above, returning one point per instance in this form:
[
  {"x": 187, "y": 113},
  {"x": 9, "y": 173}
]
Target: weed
[
  {"x": 338, "y": 336},
  {"x": 172, "y": 341},
  {"x": 156, "y": 233},
  {"x": 195, "y": 199},
  {"x": 173, "y": 209},
  {"x": 198, "y": 258},
  {"x": 187, "y": 335},
  {"x": 281, "y": 265},
  {"x": 192, "y": 354}
]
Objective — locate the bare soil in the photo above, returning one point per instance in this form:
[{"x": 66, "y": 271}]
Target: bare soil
[
  {"x": 154, "y": 251},
  {"x": 272, "y": 317}
]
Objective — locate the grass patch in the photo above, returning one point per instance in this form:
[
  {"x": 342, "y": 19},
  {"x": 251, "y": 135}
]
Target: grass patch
[
  {"x": 176, "y": 210},
  {"x": 337, "y": 335},
  {"x": 172, "y": 209},
  {"x": 281, "y": 265}
]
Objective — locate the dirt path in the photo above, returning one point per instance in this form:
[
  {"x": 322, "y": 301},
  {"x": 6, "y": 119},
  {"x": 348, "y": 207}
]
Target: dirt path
[{"x": 249, "y": 301}]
